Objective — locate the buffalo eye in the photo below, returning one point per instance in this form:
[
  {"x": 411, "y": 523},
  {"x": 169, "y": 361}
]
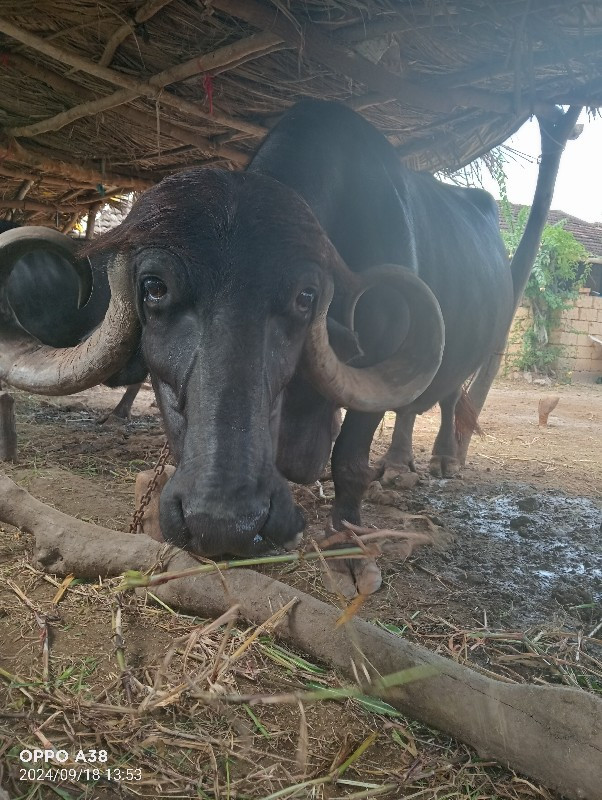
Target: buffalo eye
[
  {"x": 305, "y": 300},
  {"x": 153, "y": 289}
]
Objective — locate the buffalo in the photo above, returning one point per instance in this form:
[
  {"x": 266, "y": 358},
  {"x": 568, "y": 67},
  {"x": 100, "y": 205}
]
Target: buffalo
[
  {"x": 59, "y": 300},
  {"x": 325, "y": 275}
]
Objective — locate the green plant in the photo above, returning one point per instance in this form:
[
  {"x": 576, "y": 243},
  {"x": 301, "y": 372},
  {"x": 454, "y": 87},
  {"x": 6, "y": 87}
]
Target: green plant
[{"x": 559, "y": 271}]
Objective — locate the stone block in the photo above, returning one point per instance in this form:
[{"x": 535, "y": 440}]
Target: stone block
[
  {"x": 581, "y": 326},
  {"x": 585, "y": 351},
  {"x": 583, "y": 340},
  {"x": 583, "y": 365},
  {"x": 595, "y": 328},
  {"x": 589, "y": 314},
  {"x": 600, "y": 315},
  {"x": 584, "y": 301},
  {"x": 568, "y": 338}
]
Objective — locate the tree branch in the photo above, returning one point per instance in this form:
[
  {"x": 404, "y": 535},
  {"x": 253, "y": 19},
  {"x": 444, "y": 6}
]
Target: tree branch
[
  {"x": 310, "y": 40},
  {"x": 145, "y": 119},
  {"x": 233, "y": 54},
  {"x": 15, "y": 152}
]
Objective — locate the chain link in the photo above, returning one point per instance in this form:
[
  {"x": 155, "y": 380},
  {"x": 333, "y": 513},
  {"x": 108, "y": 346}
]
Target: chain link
[{"x": 136, "y": 523}]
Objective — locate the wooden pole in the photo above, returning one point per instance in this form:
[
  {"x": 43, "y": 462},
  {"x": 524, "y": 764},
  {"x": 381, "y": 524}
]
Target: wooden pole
[
  {"x": 91, "y": 220},
  {"x": 8, "y": 428},
  {"x": 554, "y": 137}
]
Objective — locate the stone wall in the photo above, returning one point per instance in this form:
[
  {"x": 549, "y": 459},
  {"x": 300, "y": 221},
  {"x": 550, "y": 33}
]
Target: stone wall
[{"x": 581, "y": 359}]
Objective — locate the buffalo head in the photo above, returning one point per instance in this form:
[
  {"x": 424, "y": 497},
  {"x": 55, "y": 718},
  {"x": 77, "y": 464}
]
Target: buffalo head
[{"x": 227, "y": 279}]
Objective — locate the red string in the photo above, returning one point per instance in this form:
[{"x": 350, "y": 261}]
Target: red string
[
  {"x": 208, "y": 87},
  {"x": 4, "y": 59}
]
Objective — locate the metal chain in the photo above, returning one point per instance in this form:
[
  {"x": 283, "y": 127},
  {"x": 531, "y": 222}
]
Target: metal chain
[{"x": 136, "y": 523}]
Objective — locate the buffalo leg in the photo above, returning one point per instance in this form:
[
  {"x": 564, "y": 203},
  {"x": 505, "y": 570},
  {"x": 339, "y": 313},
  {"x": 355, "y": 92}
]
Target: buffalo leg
[
  {"x": 444, "y": 461},
  {"x": 123, "y": 409},
  {"x": 351, "y": 471},
  {"x": 400, "y": 455},
  {"x": 352, "y": 475}
]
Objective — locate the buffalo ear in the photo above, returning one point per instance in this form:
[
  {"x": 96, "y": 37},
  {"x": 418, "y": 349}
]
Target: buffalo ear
[{"x": 343, "y": 341}]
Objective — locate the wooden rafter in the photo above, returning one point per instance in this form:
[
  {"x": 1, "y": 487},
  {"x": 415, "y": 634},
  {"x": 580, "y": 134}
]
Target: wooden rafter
[
  {"x": 13, "y": 151},
  {"x": 230, "y": 55},
  {"x": 146, "y": 120},
  {"x": 143, "y": 14},
  {"x": 313, "y": 43}
]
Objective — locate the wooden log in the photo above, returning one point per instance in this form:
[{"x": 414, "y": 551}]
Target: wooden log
[
  {"x": 8, "y": 428},
  {"x": 551, "y": 734}
]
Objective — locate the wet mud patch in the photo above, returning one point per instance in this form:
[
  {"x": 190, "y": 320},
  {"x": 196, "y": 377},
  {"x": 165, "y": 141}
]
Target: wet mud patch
[{"x": 531, "y": 555}]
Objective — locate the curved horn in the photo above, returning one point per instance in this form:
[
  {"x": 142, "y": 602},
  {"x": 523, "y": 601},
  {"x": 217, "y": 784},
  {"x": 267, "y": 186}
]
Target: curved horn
[
  {"x": 399, "y": 379},
  {"x": 27, "y": 363},
  {"x": 16, "y": 243}
]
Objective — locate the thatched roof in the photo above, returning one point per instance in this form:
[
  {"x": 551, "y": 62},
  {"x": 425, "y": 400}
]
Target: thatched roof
[{"x": 98, "y": 98}]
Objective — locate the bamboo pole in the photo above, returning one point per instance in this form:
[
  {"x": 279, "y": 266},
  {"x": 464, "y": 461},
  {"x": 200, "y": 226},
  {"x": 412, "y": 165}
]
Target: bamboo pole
[{"x": 553, "y": 141}]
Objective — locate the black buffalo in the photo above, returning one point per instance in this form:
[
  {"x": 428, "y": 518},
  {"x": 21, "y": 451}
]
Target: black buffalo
[
  {"x": 59, "y": 301},
  {"x": 326, "y": 275}
]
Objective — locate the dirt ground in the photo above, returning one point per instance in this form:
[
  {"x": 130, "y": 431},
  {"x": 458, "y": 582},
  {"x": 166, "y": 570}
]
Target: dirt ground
[{"x": 525, "y": 561}]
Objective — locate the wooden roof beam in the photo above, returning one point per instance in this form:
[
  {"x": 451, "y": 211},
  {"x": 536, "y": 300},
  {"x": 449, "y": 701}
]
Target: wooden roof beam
[
  {"x": 145, "y": 119},
  {"x": 311, "y": 41},
  {"x": 14, "y": 152},
  {"x": 144, "y": 13},
  {"x": 35, "y": 205},
  {"x": 225, "y": 57}
]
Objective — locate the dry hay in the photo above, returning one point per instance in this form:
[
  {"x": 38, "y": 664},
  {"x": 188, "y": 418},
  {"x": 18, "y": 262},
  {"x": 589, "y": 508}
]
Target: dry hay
[
  {"x": 215, "y": 709},
  {"x": 444, "y": 83}
]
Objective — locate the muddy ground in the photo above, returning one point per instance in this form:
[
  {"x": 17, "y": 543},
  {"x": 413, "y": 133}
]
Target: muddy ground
[{"x": 525, "y": 521}]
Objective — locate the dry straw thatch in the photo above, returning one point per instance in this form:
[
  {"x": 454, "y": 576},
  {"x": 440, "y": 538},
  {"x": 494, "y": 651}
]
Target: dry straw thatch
[{"x": 101, "y": 98}]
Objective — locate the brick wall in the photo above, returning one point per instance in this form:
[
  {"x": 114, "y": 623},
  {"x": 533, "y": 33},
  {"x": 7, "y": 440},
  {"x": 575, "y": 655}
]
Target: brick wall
[{"x": 581, "y": 358}]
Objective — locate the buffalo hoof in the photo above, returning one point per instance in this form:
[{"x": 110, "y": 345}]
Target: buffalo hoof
[
  {"x": 350, "y": 577},
  {"x": 399, "y": 477},
  {"x": 444, "y": 467}
]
